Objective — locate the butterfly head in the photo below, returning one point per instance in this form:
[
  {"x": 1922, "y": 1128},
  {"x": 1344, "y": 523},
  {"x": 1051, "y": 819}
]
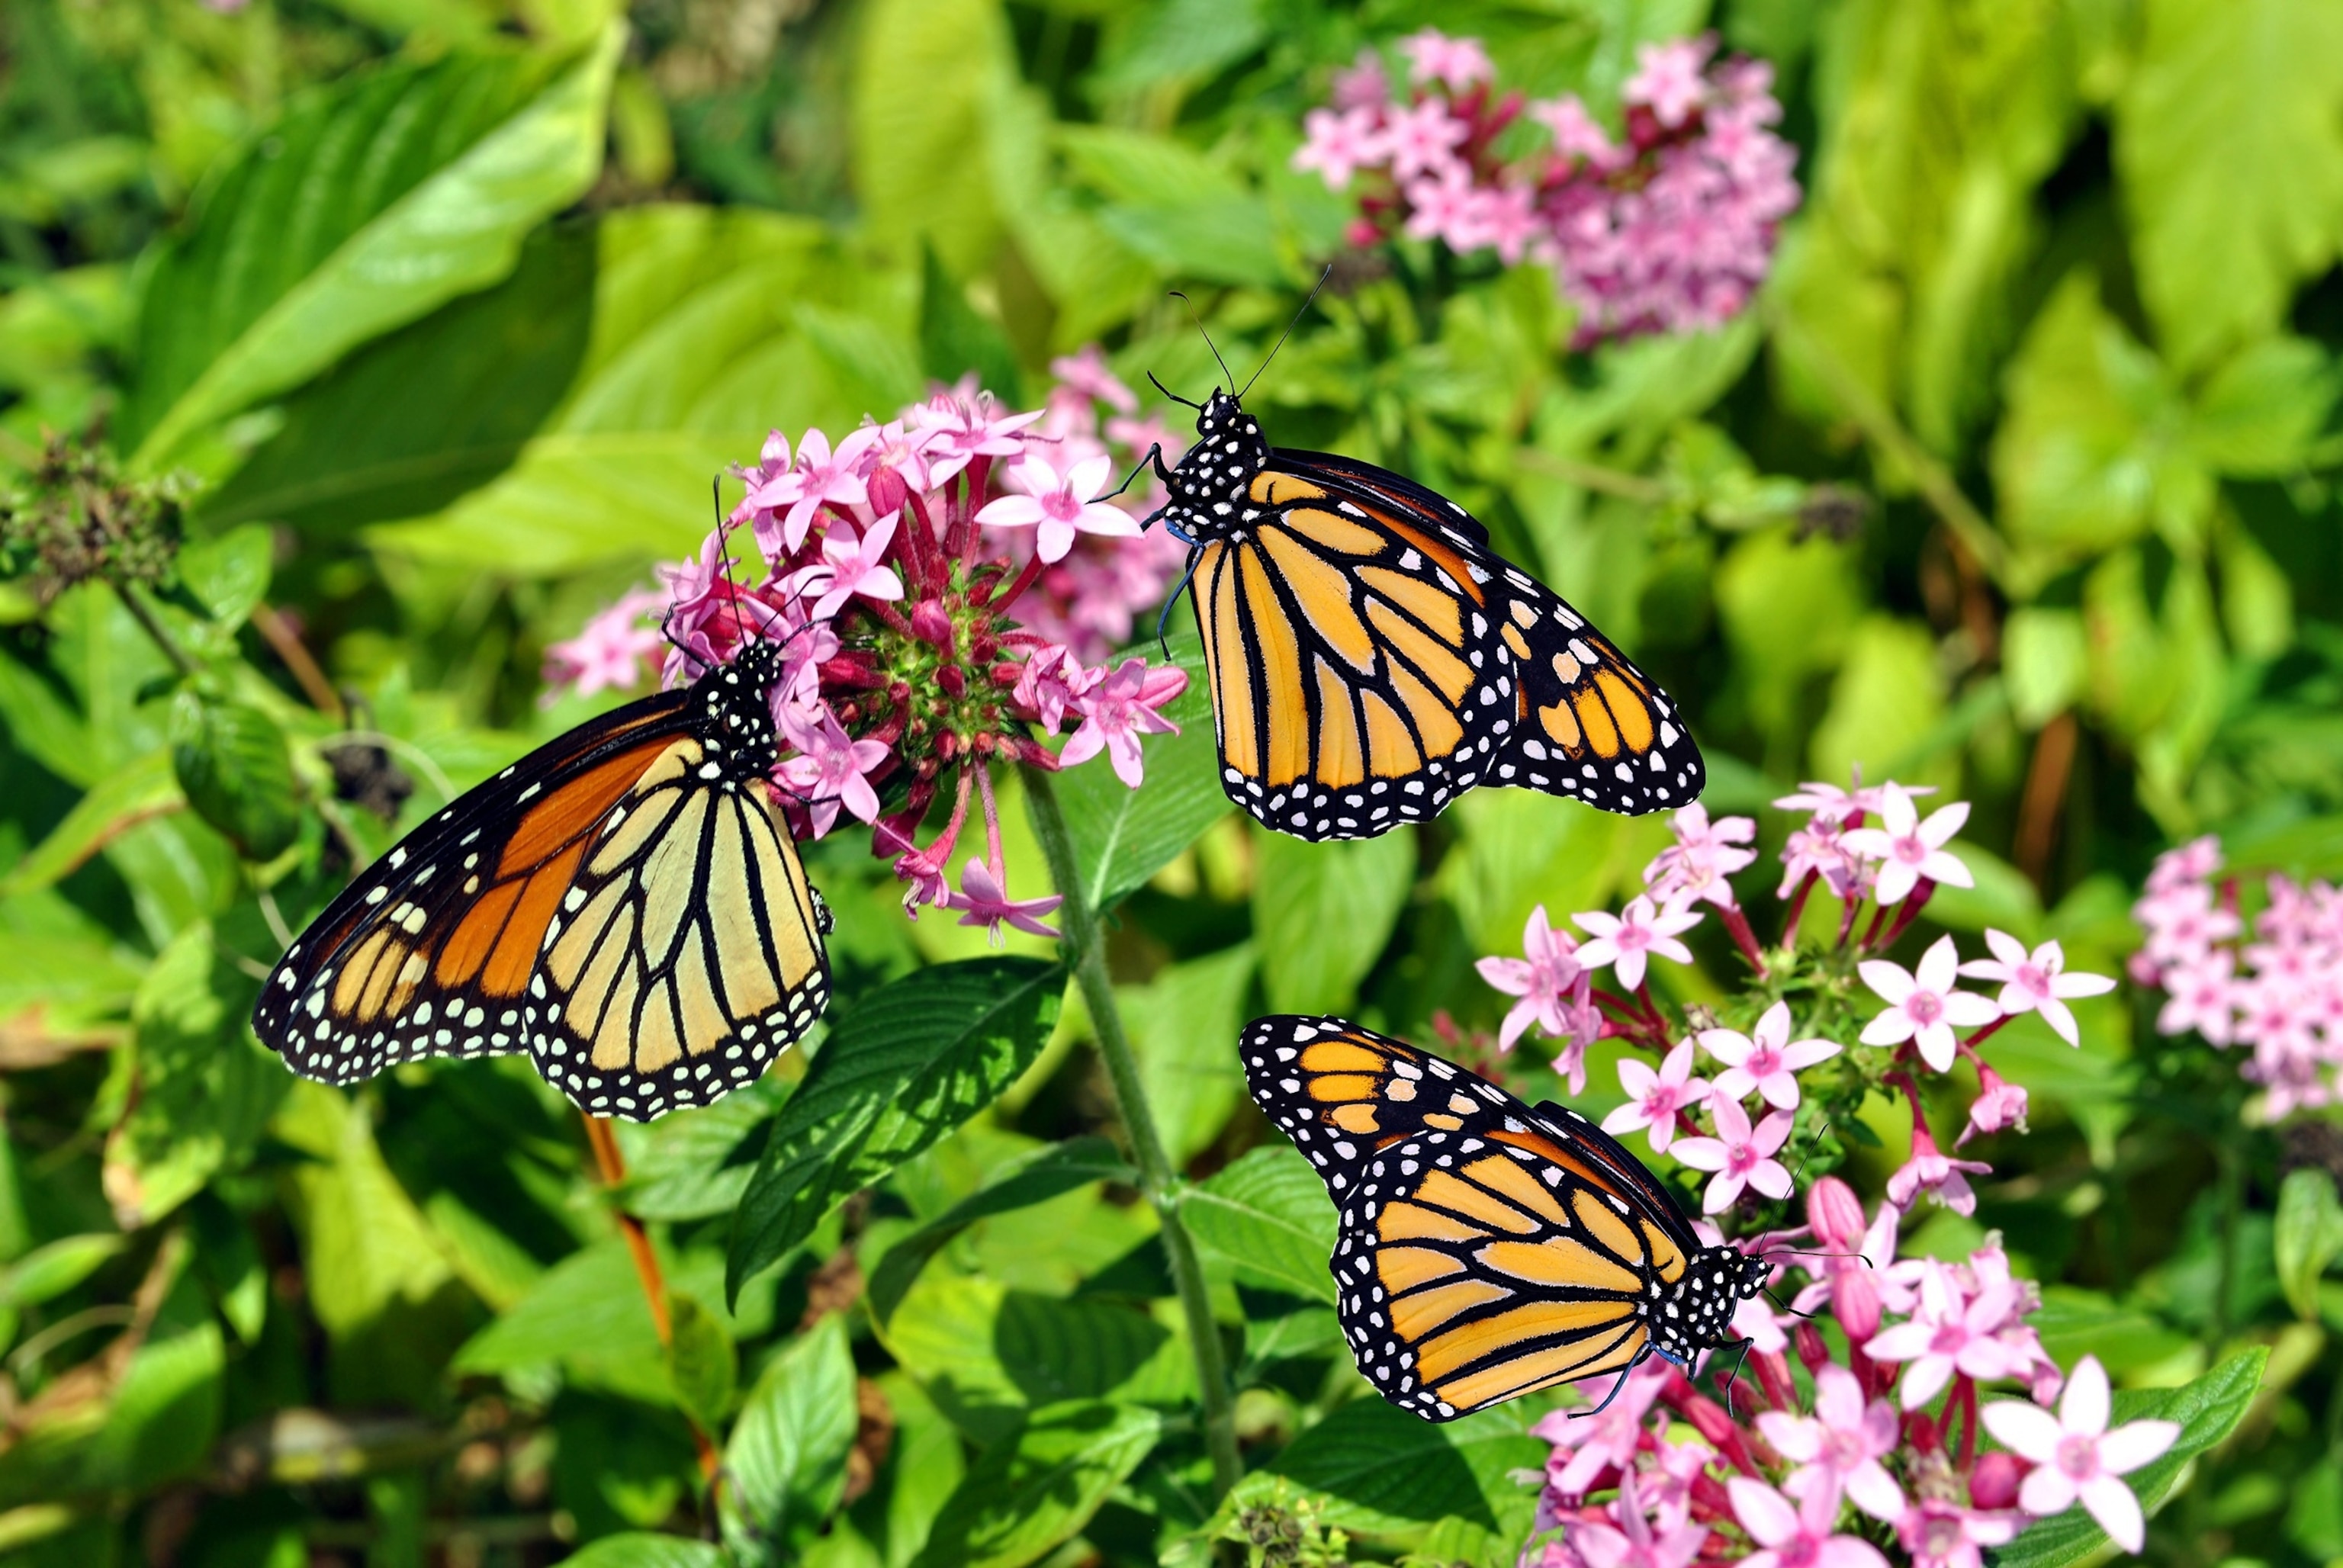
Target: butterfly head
[
  {"x": 1695, "y": 1314},
  {"x": 1211, "y": 487}
]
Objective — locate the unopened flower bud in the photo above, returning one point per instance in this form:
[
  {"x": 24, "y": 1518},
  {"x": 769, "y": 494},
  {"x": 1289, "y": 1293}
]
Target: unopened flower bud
[
  {"x": 888, "y": 492},
  {"x": 1994, "y": 1482},
  {"x": 1835, "y": 1215},
  {"x": 952, "y": 679},
  {"x": 1812, "y": 1350},
  {"x": 931, "y": 623},
  {"x": 1855, "y": 1302}
]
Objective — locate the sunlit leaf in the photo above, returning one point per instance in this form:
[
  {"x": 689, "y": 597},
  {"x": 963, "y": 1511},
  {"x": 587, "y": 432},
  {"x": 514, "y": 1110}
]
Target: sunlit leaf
[
  {"x": 787, "y": 1450},
  {"x": 1267, "y": 1217},
  {"x": 1041, "y": 1484}
]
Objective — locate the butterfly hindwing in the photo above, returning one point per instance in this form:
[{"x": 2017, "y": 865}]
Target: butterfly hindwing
[
  {"x": 1485, "y": 1250},
  {"x": 618, "y": 903}
]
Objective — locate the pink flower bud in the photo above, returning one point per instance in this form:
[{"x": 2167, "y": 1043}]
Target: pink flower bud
[
  {"x": 1855, "y": 1302},
  {"x": 1811, "y": 1352},
  {"x": 1994, "y": 1482},
  {"x": 931, "y": 623},
  {"x": 1835, "y": 1215},
  {"x": 888, "y": 491}
]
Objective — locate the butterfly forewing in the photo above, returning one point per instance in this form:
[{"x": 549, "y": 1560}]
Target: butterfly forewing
[
  {"x": 1485, "y": 1250},
  {"x": 625, "y": 904}
]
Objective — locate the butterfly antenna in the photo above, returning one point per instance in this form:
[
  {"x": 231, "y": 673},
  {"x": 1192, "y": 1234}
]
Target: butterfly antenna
[
  {"x": 1812, "y": 1144},
  {"x": 1208, "y": 337},
  {"x": 1183, "y": 402},
  {"x": 723, "y": 549},
  {"x": 1290, "y": 326}
]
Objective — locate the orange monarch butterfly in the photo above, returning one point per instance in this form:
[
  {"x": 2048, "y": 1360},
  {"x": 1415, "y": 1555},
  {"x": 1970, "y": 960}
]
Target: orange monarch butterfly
[
  {"x": 625, "y": 904},
  {"x": 1371, "y": 658},
  {"x": 1486, "y": 1250}
]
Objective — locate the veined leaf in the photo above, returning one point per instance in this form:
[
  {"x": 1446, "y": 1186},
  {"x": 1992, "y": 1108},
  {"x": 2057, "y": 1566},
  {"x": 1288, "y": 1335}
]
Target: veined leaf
[
  {"x": 1057, "y": 1169},
  {"x": 905, "y": 1066},
  {"x": 1266, "y": 1217},
  {"x": 787, "y": 1453},
  {"x": 1035, "y": 1488},
  {"x": 1124, "y": 836},
  {"x": 117, "y": 803},
  {"x": 2208, "y": 1410},
  {"x": 1324, "y": 912},
  {"x": 1384, "y": 1470},
  {"x": 435, "y": 173}
]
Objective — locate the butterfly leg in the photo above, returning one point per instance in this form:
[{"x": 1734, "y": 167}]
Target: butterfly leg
[
  {"x": 1624, "y": 1373},
  {"x": 1165, "y": 620}
]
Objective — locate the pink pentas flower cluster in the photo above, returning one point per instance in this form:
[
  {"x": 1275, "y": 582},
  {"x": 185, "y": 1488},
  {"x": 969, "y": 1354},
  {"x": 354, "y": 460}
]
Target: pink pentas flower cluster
[
  {"x": 1668, "y": 227},
  {"x": 1872, "y": 849},
  {"x": 945, "y": 588},
  {"x": 2273, "y": 986},
  {"x": 1879, "y": 1443}
]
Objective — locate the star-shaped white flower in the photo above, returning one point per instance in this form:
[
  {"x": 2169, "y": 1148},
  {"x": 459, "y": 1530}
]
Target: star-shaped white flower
[
  {"x": 2036, "y": 981},
  {"x": 2077, "y": 1458}
]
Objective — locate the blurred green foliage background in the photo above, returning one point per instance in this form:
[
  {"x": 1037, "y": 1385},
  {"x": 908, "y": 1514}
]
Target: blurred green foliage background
[{"x": 2017, "y": 480}]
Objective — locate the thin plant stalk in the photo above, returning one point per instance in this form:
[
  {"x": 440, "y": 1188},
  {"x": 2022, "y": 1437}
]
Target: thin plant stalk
[
  {"x": 1085, "y": 943},
  {"x": 612, "y": 1165}
]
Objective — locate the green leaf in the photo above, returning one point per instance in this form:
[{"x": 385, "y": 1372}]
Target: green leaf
[
  {"x": 2045, "y": 661},
  {"x": 1386, "y": 1470},
  {"x": 2309, "y": 1235},
  {"x": 786, "y": 1456},
  {"x": 1122, "y": 836},
  {"x": 369, "y": 204},
  {"x": 205, "y": 1088},
  {"x": 1324, "y": 913},
  {"x": 1267, "y": 1217},
  {"x": 1057, "y": 1169},
  {"x": 690, "y": 1167},
  {"x": 1089, "y": 1348},
  {"x": 1889, "y": 696},
  {"x": 700, "y": 1360},
  {"x": 588, "y": 1313},
  {"x": 1037, "y": 1488},
  {"x": 707, "y": 329},
  {"x": 2208, "y": 1410},
  {"x": 647, "y": 1549},
  {"x": 926, "y": 82},
  {"x": 227, "y": 577},
  {"x": 955, "y": 339},
  {"x": 1182, "y": 1024},
  {"x": 231, "y": 760},
  {"x": 46, "y": 1273},
  {"x": 905, "y": 1065},
  {"x": 1173, "y": 39},
  {"x": 114, "y": 804},
  {"x": 2230, "y": 156}
]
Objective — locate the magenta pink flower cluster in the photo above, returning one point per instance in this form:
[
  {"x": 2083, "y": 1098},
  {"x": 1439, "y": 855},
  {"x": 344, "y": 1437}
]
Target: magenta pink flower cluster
[
  {"x": 1880, "y": 1448},
  {"x": 2280, "y": 994},
  {"x": 1871, "y": 850},
  {"x": 1670, "y": 228},
  {"x": 946, "y": 588}
]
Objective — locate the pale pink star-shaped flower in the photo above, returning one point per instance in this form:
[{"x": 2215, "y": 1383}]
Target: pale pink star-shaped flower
[
  {"x": 1633, "y": 1544},
  {"x": 1423, "y": 140},
  {"x": 985, "y": 898},
  {"x": 1575, "y": 133},
  {"x": 2000, "y": 1104},
  {"x": 1588, "y": 1444},
  {"x": 1908, "y": 849},
  {"x": 1941, "y": 1533},
  {"x": 1799, "y": 1537},
  {"x": 1654, "y": 1098},
  {"x": 1923, "y": 1007},
  {"x": 1541, "y": 978},
  {"x": 1456, "y": 63},
  {"x": 2034, "y": 982},
  {"x": 1049, "y": 679},
  {"x": 1695, "y": 868},
  {"x": 2078, "y": 1458},
  {"x": 966, "y": 428},
  {"x": 1948, "y": 1333},
  {"x": 1623, "y": 942},
  {"x": 820, "y": 477},
  {"x": 1119, "y": 709},
  {"x": 1741, "y": 1156},
  {"x": 1088, "y": 374},
  {"x": 1932, "y": 1172},
  {"x": 1767, "y": 1061},
  {"x": 1838, "y": 1448},
  {"x": 2202, "y": 996},
  {"x": 1668, "y": 78},
  {"x": 1060, "y": 506},
  {"x": 611, "y": 651},
  {"x": 829, "y": 770},
  {"x": 1341, "y": 141},
  {"x": 854, "y": 568}
]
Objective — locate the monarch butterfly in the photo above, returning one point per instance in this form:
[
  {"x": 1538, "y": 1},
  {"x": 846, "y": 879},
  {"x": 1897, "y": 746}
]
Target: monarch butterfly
[
  {"x": 625, "y": 904},
  {"x": 1486, "y": 1250},
  {"x": 1371, "y": 658}
]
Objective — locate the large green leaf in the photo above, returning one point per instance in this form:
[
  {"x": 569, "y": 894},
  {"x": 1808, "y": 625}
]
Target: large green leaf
[
  {"x": 1124, "y": 836},
  {"x": 1057, "y": 1168},
  {"x": 230, "y": 759},
  {"x": 587, "y": 1314},
  {"x": 928, "y": 82},
  {"x": 1036, "y": 1488},
  {"x": 122, "y": 799},
  {"x": 2208, "y": 1410},
  {"x": 905, "y": 1066},
  {"x": 2230, "y": 149},
  {"x": 1266, "y": 1217},
  {"x": 1386, "y": 1470},
  {"x": 647, "y": 1549},
  {"x": 786, "y": 1456},
  {"x": 2307, "y": 1236},
  {"x": 370, "y": 203},
  {"x": 205, "y": 1088},
  {"x": 583, "y": 404},
  {"x": 1322, "y": 913},
  {"x": 1184, "y": 1024}
]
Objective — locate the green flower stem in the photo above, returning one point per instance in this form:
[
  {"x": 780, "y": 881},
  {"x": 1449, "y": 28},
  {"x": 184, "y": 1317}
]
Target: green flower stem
[
  {"x": 1085, "y": 942},
  {"x": 180, "y": 659}
]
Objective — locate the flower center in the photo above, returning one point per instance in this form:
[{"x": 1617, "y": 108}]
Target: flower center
[
  {"x": 1764, "y": 1062},
  {"x": 1911, "y": 851},
  {"x": 2033, "y": 979},
  {"x": 1923, "y": 1007},
  {"x": 1059, "y": 507},
  {"x": 2079, "y": 1457}
]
